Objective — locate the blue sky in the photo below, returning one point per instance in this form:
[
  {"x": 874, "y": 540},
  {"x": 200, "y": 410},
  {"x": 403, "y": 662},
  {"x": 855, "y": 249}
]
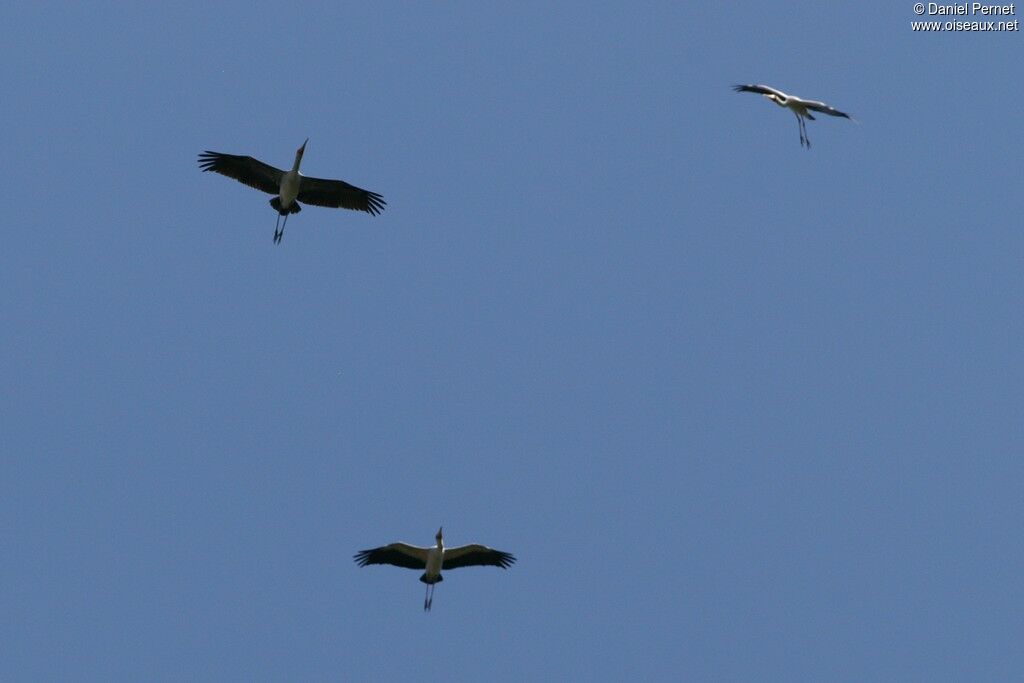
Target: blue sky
[{"x": 742, "y": 411}]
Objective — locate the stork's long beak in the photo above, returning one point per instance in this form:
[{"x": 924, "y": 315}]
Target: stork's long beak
[
  {"x": 303, "y": 148},
  {"x": 439, "y": 530}
]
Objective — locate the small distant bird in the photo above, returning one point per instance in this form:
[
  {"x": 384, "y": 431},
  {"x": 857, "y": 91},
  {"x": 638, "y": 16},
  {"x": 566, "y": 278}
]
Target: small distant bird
[
  {"x": 433, "y": 560},
  {"x": 291, "y": 187},
  {"x": 796, "y": 105}
]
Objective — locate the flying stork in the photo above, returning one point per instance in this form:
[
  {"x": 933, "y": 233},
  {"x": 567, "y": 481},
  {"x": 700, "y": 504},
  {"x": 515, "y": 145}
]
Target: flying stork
[
  {"x": 433, "y": 560},
  {"x": 796, "y": 105},
  {"x": 291, "y": 187}
]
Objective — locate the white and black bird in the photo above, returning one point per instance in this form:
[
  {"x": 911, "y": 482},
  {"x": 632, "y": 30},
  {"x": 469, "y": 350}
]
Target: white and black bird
[
  {"x": 434, "y": 560},
  {"x": 291, "y": 187},
  {"x": 795, "y": 104}
]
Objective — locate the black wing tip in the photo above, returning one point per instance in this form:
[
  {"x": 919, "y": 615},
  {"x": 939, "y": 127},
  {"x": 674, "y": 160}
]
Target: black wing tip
[
  {"x": 362, "y": 558},
  {"x": 506, "y": 560},
  {"x": 374, "y": 203},
  {"x": 208, "y": 159}
]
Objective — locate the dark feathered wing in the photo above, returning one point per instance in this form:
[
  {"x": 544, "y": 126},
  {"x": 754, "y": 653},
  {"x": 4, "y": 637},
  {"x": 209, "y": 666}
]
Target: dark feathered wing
[
  {"x": 252, "y": 172},
  {"x": 337, "y": 194},
  {"x": 824, "y": 108},
  {"x": 474, "y": 555},
  {"x": 761, "y": 89},
  {"x": 397, "y": 554}
]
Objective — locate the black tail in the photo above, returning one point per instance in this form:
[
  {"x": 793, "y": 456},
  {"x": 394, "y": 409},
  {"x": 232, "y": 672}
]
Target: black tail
[
  {"x": 427, "y": 580},
  {"x": 276, "y": 203}
]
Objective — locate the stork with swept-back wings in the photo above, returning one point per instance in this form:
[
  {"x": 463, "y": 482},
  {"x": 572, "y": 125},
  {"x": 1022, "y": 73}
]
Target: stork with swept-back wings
[
  {"x": 796, "y": 105},
  {"x": 291, "y": 187},
  {"x": 433, "y": 560}
]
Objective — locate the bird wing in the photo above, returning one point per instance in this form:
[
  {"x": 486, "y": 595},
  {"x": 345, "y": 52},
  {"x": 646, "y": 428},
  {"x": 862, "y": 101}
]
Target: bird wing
[
  {"x": 762, "y": 89},
  {"x": 337, "y": 194},
  {"x": 252, "y": 172},
  {"x": 824, "y": 108},
  {"x": 398, "y": 554},
  {"x": 472, "y": 555}
]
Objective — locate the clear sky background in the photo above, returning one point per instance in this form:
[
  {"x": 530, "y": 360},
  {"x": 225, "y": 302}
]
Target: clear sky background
[{"x": 742, "y": 411}]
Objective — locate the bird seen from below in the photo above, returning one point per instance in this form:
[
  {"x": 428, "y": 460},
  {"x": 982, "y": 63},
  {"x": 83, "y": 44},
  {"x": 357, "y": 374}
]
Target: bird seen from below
[
  {"x": 291, "y": 187},
  {"x": 798, "y": 106},
  {"x": 434, "y": 560}
]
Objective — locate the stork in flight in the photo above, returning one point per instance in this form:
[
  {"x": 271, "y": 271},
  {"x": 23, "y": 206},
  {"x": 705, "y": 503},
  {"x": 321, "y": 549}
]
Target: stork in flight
[
  {"x": 796, "y": 105},
  {"x": 433, "y": 560},
  {"x": 291, "y": 187}
]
